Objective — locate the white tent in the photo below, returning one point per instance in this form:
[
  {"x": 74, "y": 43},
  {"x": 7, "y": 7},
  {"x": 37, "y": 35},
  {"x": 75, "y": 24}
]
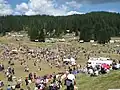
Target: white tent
[
  {"x": 92, "y": 41},
  {"x": 68, "y": 31},
  {"x": 98, "y": 61},
  {"x": 14, "y": 51},
  {"x": 94, "y": 44},
  {"x": 62, "y": 40},
  {"x": 66, "y": 60},
  {"x": 112, "y": 41},
  {"x": 71, "y": 60},
  {"x": 81, "y": 41},
  {"x": 117, "y": 41},
  {"x": 37, "y": 40}
]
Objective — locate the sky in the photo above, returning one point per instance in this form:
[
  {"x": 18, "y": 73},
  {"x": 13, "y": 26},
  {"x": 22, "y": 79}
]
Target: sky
[{"x": 56, "y": 7}]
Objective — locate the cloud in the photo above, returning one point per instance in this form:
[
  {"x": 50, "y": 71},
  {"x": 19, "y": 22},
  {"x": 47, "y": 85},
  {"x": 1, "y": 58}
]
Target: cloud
[
  {"x": 48, "y": 7},
  {"x": 16, "y": 13},
  {"x": 96, "y": 1},
  {"x": 34, "y": 7},
  {"x": 31, "y": 12},
  {"x": 74, "y": 4},
  {"x": 22, "y": 7},
  {"x": 73, "y": 12},
  {"x": 113, "y": 11},
  {"x": 5, "y": 8}
]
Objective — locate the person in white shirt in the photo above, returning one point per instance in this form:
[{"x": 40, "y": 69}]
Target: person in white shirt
[
  {"x": 117, "y": 66},
  {"x": 70, "y": 81},
  {"x": 71, "y": 77},
  {"x": 91, "y": 71}
]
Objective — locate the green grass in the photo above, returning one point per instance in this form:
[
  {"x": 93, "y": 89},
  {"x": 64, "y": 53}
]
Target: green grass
[{"x": 103, "y": 82}]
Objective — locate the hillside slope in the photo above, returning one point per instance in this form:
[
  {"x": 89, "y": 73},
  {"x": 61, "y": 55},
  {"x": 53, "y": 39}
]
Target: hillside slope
[{"x": 103, "y": 82}]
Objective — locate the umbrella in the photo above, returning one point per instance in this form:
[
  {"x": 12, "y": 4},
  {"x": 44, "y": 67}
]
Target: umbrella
[{"x": 106, "y": 66}]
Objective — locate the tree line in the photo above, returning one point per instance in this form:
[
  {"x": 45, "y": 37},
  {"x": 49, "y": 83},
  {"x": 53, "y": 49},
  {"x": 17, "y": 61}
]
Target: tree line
[{"x": 99, "y": 26}]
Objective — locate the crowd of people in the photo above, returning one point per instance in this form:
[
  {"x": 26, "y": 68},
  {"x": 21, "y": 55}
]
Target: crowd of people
[
  {"x": 53, "y": 81},
  {"x": 102, "y": 68},
  {"x": 54, "y": 57}
]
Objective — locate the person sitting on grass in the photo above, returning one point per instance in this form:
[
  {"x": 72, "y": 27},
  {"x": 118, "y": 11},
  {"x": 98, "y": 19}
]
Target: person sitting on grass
[
  {"x": 13, "y": 87},
  {"x": 114, "y": 65},
  {"x": 18, "y": 85},
  {"x": 9, "y": 87},
  {"x": 1, "y": 67},
  {"x": 10, "y": 78},
  {"x": 90, "y": 71},
  {"x": 1, "y": 85}
]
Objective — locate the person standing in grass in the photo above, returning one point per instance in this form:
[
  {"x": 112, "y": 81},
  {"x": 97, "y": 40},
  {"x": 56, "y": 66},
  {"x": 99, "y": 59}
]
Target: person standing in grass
[
  {"x": 70, "y": 81},
  {"x": 13, "y": 71},
  {"x": 26, "y": 81}
]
